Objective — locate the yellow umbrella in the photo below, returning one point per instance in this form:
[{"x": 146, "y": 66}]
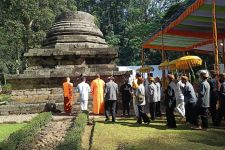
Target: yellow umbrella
[
  {"x": 164, "y": 65},
  {"x": 145, "y": 69},
  {"x": 172, "y": 65},
  {"x": 186, "y": 62}
]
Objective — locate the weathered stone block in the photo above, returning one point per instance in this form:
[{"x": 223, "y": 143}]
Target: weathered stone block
[{"x": 30, "y": 92}]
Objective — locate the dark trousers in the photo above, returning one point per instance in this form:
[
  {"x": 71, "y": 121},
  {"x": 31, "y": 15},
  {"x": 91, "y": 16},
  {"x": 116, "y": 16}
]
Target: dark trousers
[
  {"x": 212, "y": 109},
  {"x": 126, "y": 107},
  {"x": 203, "y": 113},
  {"x": 110, "y": 106},
  {"x": 142, "y": 115},
  {"x": 170, "y": 117},
  {"x": 220, "y": 112},
  {"x": 158, "y": 109},
  {"x": 189, "y": 113},
  {"x": 152, "y": 110}
]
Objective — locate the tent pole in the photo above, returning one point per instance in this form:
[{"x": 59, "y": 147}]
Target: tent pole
[
  {"x": 215, "y": 37},
  {"x": 163, "y": 71}
]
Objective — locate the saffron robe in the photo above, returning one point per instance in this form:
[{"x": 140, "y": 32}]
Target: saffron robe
[
  {"x": 97, "y": 88},
  {"x": 68, "y": 96}
]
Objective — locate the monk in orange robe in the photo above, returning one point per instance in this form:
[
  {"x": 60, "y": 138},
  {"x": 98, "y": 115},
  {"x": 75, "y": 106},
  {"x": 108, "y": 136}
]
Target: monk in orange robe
[
  {"x": 97, "y": 88},
  {"x": 68, "y": 95}
]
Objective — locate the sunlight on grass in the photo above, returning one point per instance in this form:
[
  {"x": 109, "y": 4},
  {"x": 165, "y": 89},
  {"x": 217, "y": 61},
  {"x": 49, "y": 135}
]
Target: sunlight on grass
[
  {"x": 125, "y": 134},
  {"x": 7, "y": 129}
]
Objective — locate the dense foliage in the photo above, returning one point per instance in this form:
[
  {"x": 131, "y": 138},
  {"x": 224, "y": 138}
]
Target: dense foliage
[
  {"x": 74, "y": 136},
  {"x": 125, "y": 24},
  {"x": 21, "y": 138}
]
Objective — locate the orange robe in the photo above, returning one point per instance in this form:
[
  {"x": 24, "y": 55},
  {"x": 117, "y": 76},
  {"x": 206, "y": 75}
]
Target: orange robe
[
  {"x": 68, "y": 96},
  {"x": 97, "y": 88}
]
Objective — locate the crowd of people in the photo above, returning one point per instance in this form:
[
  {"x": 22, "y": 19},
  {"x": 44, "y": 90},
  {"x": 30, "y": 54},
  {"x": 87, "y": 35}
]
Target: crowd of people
[{"x": 191, "y": 103}]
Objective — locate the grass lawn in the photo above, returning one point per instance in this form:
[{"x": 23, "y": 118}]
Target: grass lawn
[
  {"x": 7, "y": 129},
  {"x": 125, "y": 134}
]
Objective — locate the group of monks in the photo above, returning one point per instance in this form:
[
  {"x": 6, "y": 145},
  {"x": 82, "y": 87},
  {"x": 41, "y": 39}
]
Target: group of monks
[{"x": 97, "y": 90}]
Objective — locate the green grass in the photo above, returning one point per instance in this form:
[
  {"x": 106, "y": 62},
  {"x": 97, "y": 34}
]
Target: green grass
[
  {"x": 7, "y": 129},
  {"x": 125, "y": 134}
]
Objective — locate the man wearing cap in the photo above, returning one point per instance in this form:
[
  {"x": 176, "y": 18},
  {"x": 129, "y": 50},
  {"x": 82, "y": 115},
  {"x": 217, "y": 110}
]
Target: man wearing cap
[
  {"x": 213, "y": 96},
  {"x": 189, "y": 100},
  {"x": 170, "y": 102},
  {"x": 202, "y": 103},
  {"x": 151, "y": 92},
  {"x": 158, "y": 103},
  {"x": 111, "y": 92},
  {"x": 180, "y": 99},
  {"x": 125, "y": 90},
  {"x": 141, "y": 102},
  {"x": 221, "y": 109},
  {"x": 135, "y": 87}
]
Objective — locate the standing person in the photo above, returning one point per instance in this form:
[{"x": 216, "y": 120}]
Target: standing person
[
  {"x": 68, "y": 95},
  {"x": 158, "y": 103},
  {"x": 221, "y": 109},
  {"x": 111, "y": 92},
  {"x": 170, "y": 102},
  {"x": 189, "y": 99},
  {"x": 180, "y": 99},
  {"x": 134, "y": 88},
  {"x": 83, "y": 89},
  {"x": 202, "y": 103},
  {"x": 125, "y": 90},
  {"x": 140, "y": 101},
  {"x": 152, "y": 97},
  {"x": 213, "y": 96},
  {"x": 97, "y": 88}
]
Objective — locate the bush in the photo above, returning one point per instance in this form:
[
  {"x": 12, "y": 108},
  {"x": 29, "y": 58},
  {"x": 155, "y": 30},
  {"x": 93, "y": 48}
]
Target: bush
[
  {"x": 5, "y": 97},
  {"x": 21, "y": 138},
  {"x": 7, "y": 87},
  {"x": 73, "y": 137}
]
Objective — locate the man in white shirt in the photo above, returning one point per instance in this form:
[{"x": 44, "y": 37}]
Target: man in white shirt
[
  {"x": 84, "y": 90},
  {"x": 180, "y": 99}
]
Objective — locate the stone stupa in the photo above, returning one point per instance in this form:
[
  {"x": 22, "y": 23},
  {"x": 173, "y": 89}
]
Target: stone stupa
[{"x": 74, "y": 45}]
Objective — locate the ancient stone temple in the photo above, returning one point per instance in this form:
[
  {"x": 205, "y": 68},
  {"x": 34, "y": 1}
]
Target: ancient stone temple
[{"x": 74, "y": 45}]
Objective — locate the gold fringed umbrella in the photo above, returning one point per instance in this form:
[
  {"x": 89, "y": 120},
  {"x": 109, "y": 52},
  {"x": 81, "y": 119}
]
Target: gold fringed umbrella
[
  {"x": 145, "y": 69},
  {"x": 186, "y": 62},
  {"x": 164, "y": 65},
  {"x": 172, "y": 65}
]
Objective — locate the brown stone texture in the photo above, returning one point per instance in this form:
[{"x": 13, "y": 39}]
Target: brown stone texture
[{"x": 74, "y": 45}]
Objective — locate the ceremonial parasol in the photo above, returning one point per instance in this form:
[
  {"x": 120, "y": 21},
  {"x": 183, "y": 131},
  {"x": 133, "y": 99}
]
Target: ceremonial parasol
[
  {"x": 172, "y": 65},
  {"x": 186, "y": 62},
  {"x": 164, "y": 65},
  {"x": 145, "y": 69}
]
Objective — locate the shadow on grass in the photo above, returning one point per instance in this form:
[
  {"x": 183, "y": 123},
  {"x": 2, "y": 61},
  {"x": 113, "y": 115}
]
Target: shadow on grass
[
  {"x": 157, "y": 124},
  {"x": 211, "y": 137}
]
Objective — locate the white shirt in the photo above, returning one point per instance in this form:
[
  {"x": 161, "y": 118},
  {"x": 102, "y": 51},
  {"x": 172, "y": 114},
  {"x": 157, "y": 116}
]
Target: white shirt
[
  {"x": 83, "y": 89},
  {"x": 178, "y": 92},
  {"x": 158, "y": 91}
]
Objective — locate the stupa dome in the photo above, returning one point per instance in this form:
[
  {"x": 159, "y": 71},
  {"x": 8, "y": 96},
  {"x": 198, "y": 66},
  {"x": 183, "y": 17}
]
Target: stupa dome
[{"x": 75, "y": 30}]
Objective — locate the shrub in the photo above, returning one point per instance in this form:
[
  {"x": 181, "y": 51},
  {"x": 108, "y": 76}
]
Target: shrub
[
  {"x": 21, "y": 138},
  {"x": 73, "y": 137},
  {"x": 6, "y": 87},
  {"x": 5, "y": 97}
]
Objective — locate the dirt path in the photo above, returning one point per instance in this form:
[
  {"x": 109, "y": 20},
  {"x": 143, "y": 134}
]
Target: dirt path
[{"x": 51, "y": 135}]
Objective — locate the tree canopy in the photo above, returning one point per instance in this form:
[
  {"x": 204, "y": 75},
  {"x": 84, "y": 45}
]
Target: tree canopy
[{"x": 124, "y": 23}]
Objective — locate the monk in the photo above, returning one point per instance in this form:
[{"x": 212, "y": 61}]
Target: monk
[
  {"x": 97, "y": 88},
  {"x": 68, "y": 95}
]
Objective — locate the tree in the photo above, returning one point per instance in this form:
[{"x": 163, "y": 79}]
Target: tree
[{"x": 23, "y": 25}]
